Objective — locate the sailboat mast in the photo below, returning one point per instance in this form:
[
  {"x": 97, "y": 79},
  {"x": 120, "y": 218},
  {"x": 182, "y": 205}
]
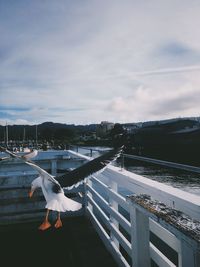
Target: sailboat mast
[
  {"x": 24, "y": 135},
  {"x": 36, "y": 136},
  {"x": 6, "y": 134}
]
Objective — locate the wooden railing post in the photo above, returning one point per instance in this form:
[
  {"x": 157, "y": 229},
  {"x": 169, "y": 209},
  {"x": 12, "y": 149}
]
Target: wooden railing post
[
  {"x": 113, "y": 185},
  {"x": 190, "y": 256},
  {"x": 139, "y": 237},
  {"x": 89, "y": 182},
  {"x": 85, "y": 192},
  {"x": 53, "y": 167}
]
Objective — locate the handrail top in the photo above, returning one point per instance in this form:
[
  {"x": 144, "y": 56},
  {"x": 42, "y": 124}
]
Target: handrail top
[
  {"x": 79, "y": 155},
  {"x": 156, "y": 209},
  {"x": 135, "y": 178}
]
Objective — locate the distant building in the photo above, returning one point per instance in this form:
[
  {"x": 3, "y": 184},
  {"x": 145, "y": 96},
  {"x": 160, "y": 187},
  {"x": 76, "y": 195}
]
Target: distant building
[
  {"x": 103, "y": 128},
  {"x": 131, "y": 128},
  {"x": 88, "y": 136}
]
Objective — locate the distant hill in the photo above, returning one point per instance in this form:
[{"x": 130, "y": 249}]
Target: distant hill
[{"x": 46, "y": 131}]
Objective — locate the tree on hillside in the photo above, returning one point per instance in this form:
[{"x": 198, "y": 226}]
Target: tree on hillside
[
  {"x": 64, "y": 134},
  {"x": 117, "y": 130},
  {"x": 117, "y": 135}
]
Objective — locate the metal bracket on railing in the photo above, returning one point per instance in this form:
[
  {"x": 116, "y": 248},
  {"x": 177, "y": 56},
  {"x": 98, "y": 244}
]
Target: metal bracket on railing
[{"x": 122, "y": 162}]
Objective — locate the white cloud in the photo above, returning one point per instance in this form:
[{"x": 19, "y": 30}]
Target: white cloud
[
  {"x": 153, "y": 103},
  {"x": 78, "y": 62}
]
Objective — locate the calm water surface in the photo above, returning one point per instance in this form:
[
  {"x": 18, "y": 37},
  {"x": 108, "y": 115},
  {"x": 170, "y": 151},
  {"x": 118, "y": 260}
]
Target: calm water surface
[{"x": 186, "y": 181}]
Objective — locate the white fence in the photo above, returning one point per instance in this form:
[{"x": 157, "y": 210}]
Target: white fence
[{"x": 130, "y": 232}]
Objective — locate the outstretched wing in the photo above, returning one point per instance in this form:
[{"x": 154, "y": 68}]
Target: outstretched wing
[
  {"x": 56, "y": 188},
  {"x": 42, "y": 172},
  {"x": 88, "y": 168}
]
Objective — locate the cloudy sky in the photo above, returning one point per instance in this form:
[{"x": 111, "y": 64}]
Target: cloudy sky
[{"x": 84, "y": 61}]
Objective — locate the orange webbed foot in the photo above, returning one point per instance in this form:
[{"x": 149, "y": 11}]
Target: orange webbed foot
[
  {"x": 44, "y": 226},
  {"x": 58, "y": 223}
]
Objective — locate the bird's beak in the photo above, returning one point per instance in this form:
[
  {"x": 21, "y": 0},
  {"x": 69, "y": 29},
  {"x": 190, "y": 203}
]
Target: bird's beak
[{"x": 31, "y": 193}]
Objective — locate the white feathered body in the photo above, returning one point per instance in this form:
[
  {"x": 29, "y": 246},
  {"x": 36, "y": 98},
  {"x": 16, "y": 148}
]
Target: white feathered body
[{"x": 55, "y": 200}]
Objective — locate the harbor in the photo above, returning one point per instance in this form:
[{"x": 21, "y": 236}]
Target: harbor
[{"x": 99, "y": 133}]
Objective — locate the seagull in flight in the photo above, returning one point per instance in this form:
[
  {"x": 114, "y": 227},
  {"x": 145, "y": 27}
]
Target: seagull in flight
[
  {"x": 52, "y": 187},
  {"x": 54, "y": 196}
]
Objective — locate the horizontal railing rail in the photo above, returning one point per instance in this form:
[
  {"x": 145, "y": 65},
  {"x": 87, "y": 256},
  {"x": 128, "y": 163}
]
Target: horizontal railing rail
[{"x": 89, "y": 148}]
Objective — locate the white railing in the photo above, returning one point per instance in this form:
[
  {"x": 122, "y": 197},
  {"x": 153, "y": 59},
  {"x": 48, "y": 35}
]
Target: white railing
[{"x": 127, "y": 229}]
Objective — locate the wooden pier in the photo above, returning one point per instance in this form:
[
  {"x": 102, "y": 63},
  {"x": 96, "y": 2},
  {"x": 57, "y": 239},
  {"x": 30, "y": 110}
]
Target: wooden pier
[
  {"x": 135, "y": 233},
  {"x": 76, "y": 244}
]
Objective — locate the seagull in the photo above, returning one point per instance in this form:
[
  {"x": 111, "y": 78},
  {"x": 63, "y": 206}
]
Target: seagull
[
  {"x": 53, "y": 194},
  {"x": 51, "y": 189},
  {"x": 52, "y": 186}
]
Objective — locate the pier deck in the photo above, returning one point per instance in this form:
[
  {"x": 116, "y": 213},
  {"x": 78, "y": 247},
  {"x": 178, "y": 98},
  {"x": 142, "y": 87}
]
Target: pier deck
[{"x": 76, "y": 244}]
